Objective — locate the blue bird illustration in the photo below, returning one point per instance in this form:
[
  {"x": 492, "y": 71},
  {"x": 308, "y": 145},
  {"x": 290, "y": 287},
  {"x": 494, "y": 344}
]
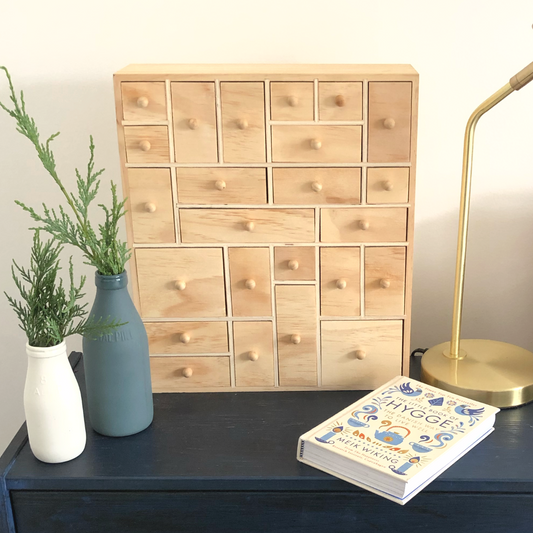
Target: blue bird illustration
[
  {"x": 473, "y": 414},
  {"x": 406, "y": 390}
]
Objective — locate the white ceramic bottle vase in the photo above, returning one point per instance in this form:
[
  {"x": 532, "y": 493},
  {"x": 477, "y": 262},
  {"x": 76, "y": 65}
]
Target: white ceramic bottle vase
[{"x": 52, "y": 403}]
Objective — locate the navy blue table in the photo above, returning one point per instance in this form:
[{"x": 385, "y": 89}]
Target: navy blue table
[{"x": 226, "y": 462}]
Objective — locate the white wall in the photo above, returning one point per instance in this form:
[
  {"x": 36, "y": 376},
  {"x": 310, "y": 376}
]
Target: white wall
[{"x": 63, "y": 55}]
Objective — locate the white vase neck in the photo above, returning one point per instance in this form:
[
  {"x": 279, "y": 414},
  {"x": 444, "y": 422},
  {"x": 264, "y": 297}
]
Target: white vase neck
[{"x": 40, "y": 352}]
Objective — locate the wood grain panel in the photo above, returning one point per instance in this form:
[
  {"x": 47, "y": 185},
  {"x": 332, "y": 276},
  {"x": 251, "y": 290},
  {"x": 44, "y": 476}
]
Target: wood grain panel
[
  {"x": 361, "y": 354},
  {"x": 194, "y": 119},
  {"x": 171, "y": 374},
  {"x": 317, "y": 185},
  {"x": 247, "y": 225},
  {"x": 297, "y": 322},
  {"x": 294, "y": 263},
  {"x": 144, "y": 101},
  {"x": 250, "y": 281},
  {"x": 389, "y": 122},
  {"x": 216, "y": 186},
  {"x": 254, "y": 354},
  {"x": 340, "y": 281},
  {"x": 243, "y": 122},
  {"x": 363, "y": 224},
  {"x": 199, "y": 274},
  {"x": 147, "y": 144},
  {"x": 387, "y": 185},
  {"x": 187, "y": 337},
  {"x": 150, "y": 197},
  {"x": 340, "y": 101},
  {"x": 292, "y": 100},
  {"x": 316, "y": 144},
  {"x": 385, "y": 281}
]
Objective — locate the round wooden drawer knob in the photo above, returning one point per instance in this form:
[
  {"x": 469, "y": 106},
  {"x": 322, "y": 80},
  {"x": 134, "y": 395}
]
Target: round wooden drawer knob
[
  {"x": 388, "y": 185},
  {"x": 249, "y": 226},
  {"x": 389, "y": 123},
  {"x": 364, "y": 224},
  {"x": 185, "y": 338},
  {"x": 145, "y": 146},
  {"x": 293, "y": 264},
  {"x": 296, "y": 339},
  {"x": 150, "y": 207},
  {"x": 341, "y": 284},
  {"x": 242, "y": 123},
  {"x": 180, "y": 285},
  {"x": 249, "y": 284},
  {"x": 316, "y": 186},
  {"x": 253, "y": 356},
  {"x": 142, "y": 102},
  {"x": 194, "y": 123},
  {"x": 187, "y": 372},
  {"x": 292, "y": 100},
  {"x": 340, "y": 100},
  {"x": 384, "y": 283},
  {"x": 360, "y": 354},
  {"x": 220, "y": 185},
  {"x": 316, "y": 144}
]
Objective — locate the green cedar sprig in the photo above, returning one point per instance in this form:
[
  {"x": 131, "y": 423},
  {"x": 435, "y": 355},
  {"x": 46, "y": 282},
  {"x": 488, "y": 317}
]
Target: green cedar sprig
[
  {"x": 48, "y": 312},
  {"x": 101, "y": 249}
]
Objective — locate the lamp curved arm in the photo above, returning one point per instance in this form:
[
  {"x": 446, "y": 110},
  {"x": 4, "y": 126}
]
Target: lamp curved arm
[{"x": 515, "y": 83}]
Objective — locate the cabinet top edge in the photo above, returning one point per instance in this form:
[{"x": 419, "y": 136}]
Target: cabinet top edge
[{"x": 266, "y": 71}]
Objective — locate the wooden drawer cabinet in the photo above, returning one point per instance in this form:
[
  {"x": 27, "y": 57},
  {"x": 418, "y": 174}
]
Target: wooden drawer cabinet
[{"x": 270, "y": 211}]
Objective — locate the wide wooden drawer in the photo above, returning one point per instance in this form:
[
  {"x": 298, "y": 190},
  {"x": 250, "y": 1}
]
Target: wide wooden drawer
[
  {"x": 388, "y": 224},
  {"x": 317, "y": 185},
  {"x": 187, "y": 337},
  {"x": 316, "y": 144},
  {"x": 292, "y": 100},
  {"x": 254, "y": 354},
  {"x": 181, "y": 282},
  {"x": 208, "y": 186},
  {"x": 340, "y": 101},
  {"x": 174, "y": 374},
  {"x": 387, "y": 185},
  {"x": 144, "y": 101},
  {"x": 150, "y": 197},
  {"x": 361, "y": 354},
  {"x": 147, "y": 144},
  {"x": 247, "y": 225}
]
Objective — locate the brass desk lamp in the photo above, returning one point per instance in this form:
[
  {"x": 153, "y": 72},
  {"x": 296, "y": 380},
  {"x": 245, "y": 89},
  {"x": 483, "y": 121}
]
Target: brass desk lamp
[{"x": 492, "y": 372}]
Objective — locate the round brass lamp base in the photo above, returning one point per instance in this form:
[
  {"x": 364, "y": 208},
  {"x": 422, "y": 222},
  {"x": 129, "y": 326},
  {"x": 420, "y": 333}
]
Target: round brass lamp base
[{"x": 492, "y": 372}]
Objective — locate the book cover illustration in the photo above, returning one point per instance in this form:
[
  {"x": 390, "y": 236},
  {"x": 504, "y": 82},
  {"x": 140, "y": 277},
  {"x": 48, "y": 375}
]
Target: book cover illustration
[{"x": 401, "y": 427}]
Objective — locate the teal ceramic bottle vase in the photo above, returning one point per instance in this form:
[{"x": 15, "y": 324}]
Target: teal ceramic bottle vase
[{"x": 117, "y": 365}]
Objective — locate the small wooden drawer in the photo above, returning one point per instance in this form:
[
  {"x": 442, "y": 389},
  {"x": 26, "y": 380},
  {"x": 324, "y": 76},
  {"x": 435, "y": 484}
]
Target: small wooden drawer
[
  {"x": 340, "y": 281},
  {"x": 361, "y": 354},
  {"x": 243, "y": 122},
  {"x": 385, "y": 281},
  {"x": 181, "y": 282},
  {"x": 294, "y": 263},
  {"x": 387, "y": 185},
  {"x": 208, "y": 186},
  {"x": 146, "y": 144},
  {"x": 144, "y": 101},
  {"x": 389, "y": 122},
  {"x": 340, "y": 101},
  {"x": 360, "y": 224},
  {"x": 187, "y": 337},
  {"x": 247, "y": 225},
  {"x": 194, "y": 118},
  {"x": 150, "y": 199},
  {"x": 297, "y": 351},
  {"x": 250, "y": 281},
  {"x": 174, "y": 374},
  {"x": 292, "y": 100},
  {"x": 316, "y": 144},
  {"x": 317, "y": 185},
  {"x": 254, "y": 354}
]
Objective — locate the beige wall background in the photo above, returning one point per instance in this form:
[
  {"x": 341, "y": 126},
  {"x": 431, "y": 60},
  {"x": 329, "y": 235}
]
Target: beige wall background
[{"x": 63, "y": 55}]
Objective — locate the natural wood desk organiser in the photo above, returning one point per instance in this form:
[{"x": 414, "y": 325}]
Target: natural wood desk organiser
[{"x": 270, "y": 209}]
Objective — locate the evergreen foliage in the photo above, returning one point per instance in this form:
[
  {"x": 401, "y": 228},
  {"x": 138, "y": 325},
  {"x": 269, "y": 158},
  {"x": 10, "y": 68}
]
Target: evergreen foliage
[{"x": 102, "y": 249}]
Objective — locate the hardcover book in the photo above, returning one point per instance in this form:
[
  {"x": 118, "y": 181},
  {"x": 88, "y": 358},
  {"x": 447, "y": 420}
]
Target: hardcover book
[{"x": 397, "y": 439}]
